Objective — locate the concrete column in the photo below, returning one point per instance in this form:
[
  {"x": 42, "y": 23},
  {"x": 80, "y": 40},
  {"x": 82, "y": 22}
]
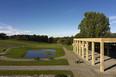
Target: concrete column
[
  {"x": 73, "y": 45},
  {"x": 102, "y": 56},
  {"x": 108, "y": 49},
  {"x": 86, "y": 50},
  {"x": 93, "y": 57},
  {"x": 82, "y": 49},
  {"x": 79, "y": 47}
]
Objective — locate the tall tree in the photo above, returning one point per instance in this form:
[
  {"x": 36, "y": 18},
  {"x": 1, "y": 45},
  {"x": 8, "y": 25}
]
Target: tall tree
[
  {"x": 3, "y": 36},
  {"x": 94, "y": 25},
  {"x": 50, "y": 40}
]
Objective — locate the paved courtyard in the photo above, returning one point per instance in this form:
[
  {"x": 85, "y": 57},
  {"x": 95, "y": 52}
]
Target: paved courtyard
[{"x": 110, "y": 64}]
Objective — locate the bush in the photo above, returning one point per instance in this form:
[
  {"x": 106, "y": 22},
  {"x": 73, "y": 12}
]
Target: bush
[
  {"x": 60, "y": 75},
  {"x": 38, "y": 58},
  {"x": 51, "y": 58}
]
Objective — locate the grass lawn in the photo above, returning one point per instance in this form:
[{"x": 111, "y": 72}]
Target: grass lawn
[
  {"x": 34, "y": 63},
  {"x": 19, "y": 52},
  {"x": 2, "y": 48},
  {"x": 34, "y": 72},
  {"x": 69, "y": 47}
]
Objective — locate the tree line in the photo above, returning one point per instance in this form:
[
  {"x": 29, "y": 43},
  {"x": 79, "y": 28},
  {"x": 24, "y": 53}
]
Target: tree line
[{"x": 38, "y": 38}]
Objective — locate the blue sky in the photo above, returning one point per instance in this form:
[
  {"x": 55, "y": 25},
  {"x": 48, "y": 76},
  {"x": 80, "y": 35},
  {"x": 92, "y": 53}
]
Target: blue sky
[{"x": 56, "y": 18}]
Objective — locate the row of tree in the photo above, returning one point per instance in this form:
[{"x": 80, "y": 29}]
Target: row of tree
[{"x": 38, "y": 38}]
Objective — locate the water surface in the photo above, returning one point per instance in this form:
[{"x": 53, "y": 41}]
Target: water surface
[{"x": 40, "y": 54}]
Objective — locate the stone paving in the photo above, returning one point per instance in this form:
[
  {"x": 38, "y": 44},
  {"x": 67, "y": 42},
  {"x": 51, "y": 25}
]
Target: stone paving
[
  {"x": 110, "y": 65},
  {"x": 91, "y": 72}
]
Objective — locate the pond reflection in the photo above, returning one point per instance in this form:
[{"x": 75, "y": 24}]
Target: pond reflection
[{"x": 40, "y": 54}]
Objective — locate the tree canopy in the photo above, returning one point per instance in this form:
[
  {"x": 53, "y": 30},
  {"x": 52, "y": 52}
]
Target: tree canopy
[
  {"x": 94, "y": 25},
  {"x": 3, "y": 36}
]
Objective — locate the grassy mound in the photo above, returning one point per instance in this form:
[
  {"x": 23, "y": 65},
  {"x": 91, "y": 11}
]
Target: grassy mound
[
  {"x": 37, "y": 49},
  {"x": 47, "y": 52}
]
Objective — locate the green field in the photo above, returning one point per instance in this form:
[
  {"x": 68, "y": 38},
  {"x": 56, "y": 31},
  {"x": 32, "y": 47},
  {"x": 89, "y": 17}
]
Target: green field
[
  {"x": 35, "y": 72},
  {"x": 19, "y": 52},
  {"x": 69, "y": 47},
  {"x": 2, "y": 48},
  {"x": 33, "y": 63}
]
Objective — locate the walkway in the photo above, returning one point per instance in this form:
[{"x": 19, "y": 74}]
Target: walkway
[
  {"x": 79, "y": 69},
  {"x": 85, "y": 69}
]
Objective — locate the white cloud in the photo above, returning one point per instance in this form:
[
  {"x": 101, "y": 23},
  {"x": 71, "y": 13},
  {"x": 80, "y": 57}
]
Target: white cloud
[
  {"x": 27, "y": 31},
  {"x": 1, "y": 27},
  {"x": 112, "y": 22},
  {"x": 4, "y": 31},
  {"x": 112, "y": 17},
  {"x": 10, "y": 30}
]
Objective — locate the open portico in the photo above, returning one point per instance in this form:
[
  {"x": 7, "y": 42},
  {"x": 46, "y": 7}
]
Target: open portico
[{"x": 80, "y": 44}]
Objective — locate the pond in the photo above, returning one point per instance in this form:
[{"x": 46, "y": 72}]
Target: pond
[{"x": 41, "y": 54}]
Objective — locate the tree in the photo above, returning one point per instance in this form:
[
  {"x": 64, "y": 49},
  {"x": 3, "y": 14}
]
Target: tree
[
  {"x": 77, "y": 35},
  {"x": 113, "y": 35},
  {"x": 50, "y": 40},
  {"x": 3, "y": 36},
  {"x": 94, "y": 25}
]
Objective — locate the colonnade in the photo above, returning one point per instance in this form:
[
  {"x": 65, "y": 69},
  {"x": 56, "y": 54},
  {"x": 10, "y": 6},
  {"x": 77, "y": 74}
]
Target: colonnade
[{"x": 80, "y": 45}]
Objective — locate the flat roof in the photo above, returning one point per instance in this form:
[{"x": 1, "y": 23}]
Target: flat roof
[{"x": 107, "y": 40}]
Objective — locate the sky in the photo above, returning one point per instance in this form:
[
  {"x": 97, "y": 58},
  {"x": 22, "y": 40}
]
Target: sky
[{"x": 57, "y": 18}]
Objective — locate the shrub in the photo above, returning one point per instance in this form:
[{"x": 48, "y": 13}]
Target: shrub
[
  {"x": 37, "y": 49},
  {"x": 60, "y": 75},
  {"x": 51, "y": 58},
  {"x": 47, "y": 52},
  {"x": 38, "y": 58}
]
